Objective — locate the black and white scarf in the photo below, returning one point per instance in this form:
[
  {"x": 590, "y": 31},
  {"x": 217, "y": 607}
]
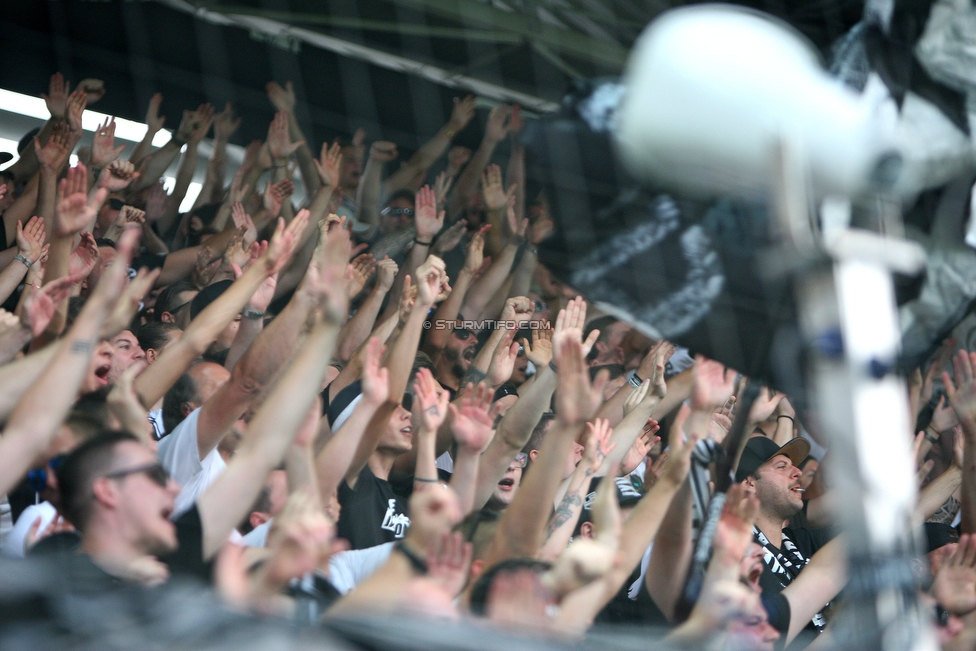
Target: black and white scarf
[{"x": 786, "y": 563}]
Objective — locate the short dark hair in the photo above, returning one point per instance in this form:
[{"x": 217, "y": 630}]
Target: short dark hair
[
  {"x": 81, "y": 468},
  {"x": 75, "y": 305},
  {"x": 168, "y": 300},
  {"x": 601, "y": 323},
  {"x": 261, "y": 505},
  {"x": 538, "y": 433},
  {"x": 155, "y": 334},
  {"x": 482, "y": 587},
  {"x": 183, "y": 390},
  {"x": 401, "y": 194},
  {"x": 615, "y": 371},
  {"x": 94, "y": 405},
  {"x": 83, "y": 425}
]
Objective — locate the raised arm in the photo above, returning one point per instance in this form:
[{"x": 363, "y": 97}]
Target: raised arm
[
  {"x": 155, "y": 122},
  {"x": 283, "y": 99},
  {"x": 370, "y": 185},
  {"x": 271, "y": 431},
  {"x": 962, "y": 397},
  {"x": 522, "y": 528},
  {"x": 496, "y": 128},
  {"x": 333, "y": 461},
  {"x": 450, "y": 308},
  {"x": 357, "y": 329},
  {"x": 472, "y": 429},
  {"x": 420, "y": 162},
  {"x": 37, "y": 416},
  {"x": 429, "y": 411},
  {"x": 399, "y": 361}
]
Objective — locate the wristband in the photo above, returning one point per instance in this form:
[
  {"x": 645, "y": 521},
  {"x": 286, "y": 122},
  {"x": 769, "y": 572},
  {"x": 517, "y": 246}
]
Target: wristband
[
  {"x": 424, "y": 480},
  {"x": 248, "y": 313},
  {"x": 24, "y": 260},
  {"x": 786, "y": 416},
  {"x": 552, "y": 365},
  {"x": 635, "y": 381},
  {"x": 930, "y": 437},
  {"x": 416, "y": 241}
]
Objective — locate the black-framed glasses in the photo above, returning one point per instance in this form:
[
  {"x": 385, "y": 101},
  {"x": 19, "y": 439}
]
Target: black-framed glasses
[
  {"x": 397, "y": 212},
  {"x": 153, "y": 471},
  {"x": 115, "y": 204}
]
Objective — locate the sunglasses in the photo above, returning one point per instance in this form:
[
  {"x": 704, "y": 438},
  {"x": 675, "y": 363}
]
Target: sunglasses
[
  {"x": 37, "y": 478},
  {"x": 407, "y": 401},
  {"x": 520, "y": 460},
  {"x": 397, "y": 212},
  {"x": 153, "y": 471},
  {"x": 462, "y": 334},
  {"x": 116, "y": 204}
]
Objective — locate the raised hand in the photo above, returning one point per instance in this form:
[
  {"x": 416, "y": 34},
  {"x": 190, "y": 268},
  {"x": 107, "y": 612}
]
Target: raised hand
[
  {"x": 326, "y": 276},
  {"x": 426, "y": 216},
  {"x": 386, "y": 271},
  {"x": 577, "y": 399},
  {"x": 497, "y": 126},
  {"x": 55, "y": 151},
  {"x": 493, "y": 190},
  {"x": 128, "y": 216},
  {"x": 539, "y": 230},
  {"x": 94, "y": 89},
  {"x": 57, "y": 96},
  {"x": 200, "y": 123},
  {"x": 279, "y": 144},
  {"x": 30, "y": 239},
  {"x": 429, "y": 276},
  {"x": 569, "y": 325},
  {"x": 539, "y": 349},
  {"x": 962, "y": 391},
  {"x": 517, "y": 309},
  {"x": 117, "y": 175},
  {"x": 75, "y": 211},
  {"x": 39, "y": 307},
  {"x": 77, "y": 101},
  {"x": 636, "y": 396},
  {"x": 154, "y": 120},
  {"x": 517, "y": 227},
  {"x": 442, "y": 185},
  {"x": 515, "y": 121},
  {"x": 938, "y": 365},
  {"x": 123, "y": 401},
  {"x": 430, "y": 402},
  {"x": 448, "y": 561},
  {"x": 84, "y": 257},
  {"x": 598, "y": 446},
  {"x": 383, "y": 151},
  {"x": 156, "y": 202},
  {"x": 475, "y": 256},
  {"x": 463, "y": 111},
  {"x": 457, "y": 157},
  {"x": 297, "y": 541},
  {"x": 328, "y": 164},
  {"x": 502, "y": 361},
  {"x": 764, "y": 405},
  {"x": 103, "y": 149},
  {"x": 224, "y": 124},
  {"x": 955, "y": 584},
  {"x": 733, "y": 533},
  {"x": 471, "y": 422},
  {"x": 943, "y": 417},
  {"x": 360, "y": 269},
  {"x": 129, "y": 298},
  {"x": 712, "y": 384},
  {"x": 450, "y": 237},
  {"x": 282, "y": 98},
  {"x": 283, "y": 243},
  {"x": 680, "y": 447},
  {"x": 375, "y": 378}
]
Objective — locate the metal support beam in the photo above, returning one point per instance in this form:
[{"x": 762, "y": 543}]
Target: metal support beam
[{"x": 368, "y": 54}]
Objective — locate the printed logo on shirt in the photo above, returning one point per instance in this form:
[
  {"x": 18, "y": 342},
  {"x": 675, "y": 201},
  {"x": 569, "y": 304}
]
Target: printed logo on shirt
[{"x": 398, "y": 523}]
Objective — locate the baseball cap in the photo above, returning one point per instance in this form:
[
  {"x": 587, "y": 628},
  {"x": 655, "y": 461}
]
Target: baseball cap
[{"x": 760, "y": 449}]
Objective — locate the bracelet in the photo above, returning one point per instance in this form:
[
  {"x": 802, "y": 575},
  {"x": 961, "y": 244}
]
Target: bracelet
[
  {"x": 24, "y": 260},
  {"x": 418, "y": 563},
  {"x": 930, "y": 437},
  {"x": 786, "y": 416},
  {"x": 552, "y": 365},
  {"x": 424, "y": 480},
  {"x": 635, "y": 381},
  {"x": 416, "y": 241},
  {"x": 248, "y": 313}
]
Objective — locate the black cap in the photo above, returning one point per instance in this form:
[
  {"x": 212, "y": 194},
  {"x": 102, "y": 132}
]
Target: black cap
[
  {"x": 760, "y": 449},
  {"x": 939, "y": 535},
  {"x": 5, "y": 156},
  {"x": 208, "y": 295}
]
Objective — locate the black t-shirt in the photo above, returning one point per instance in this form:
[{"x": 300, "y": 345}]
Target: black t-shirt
[
  {"x": 188, "y": 560},
  {"x": 372, "y": 514},
  {"x": 624, "y": 610}
]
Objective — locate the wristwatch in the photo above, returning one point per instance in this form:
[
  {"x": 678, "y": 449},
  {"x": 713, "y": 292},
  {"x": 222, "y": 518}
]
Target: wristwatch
[{"x": 248, "y": 313}]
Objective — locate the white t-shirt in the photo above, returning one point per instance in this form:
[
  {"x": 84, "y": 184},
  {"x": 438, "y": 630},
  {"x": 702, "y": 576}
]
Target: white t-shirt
[
  {"x": 258, "y": 536},
  {"x": 156, "y": 420},
  {"x": 350, "y": 568},
  {"x": 13, "y": 545},
  {"x": 179, "y": 453}
]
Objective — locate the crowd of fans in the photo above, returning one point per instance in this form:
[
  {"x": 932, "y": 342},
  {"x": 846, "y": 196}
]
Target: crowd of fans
[{"x": 380, "y": 402}]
